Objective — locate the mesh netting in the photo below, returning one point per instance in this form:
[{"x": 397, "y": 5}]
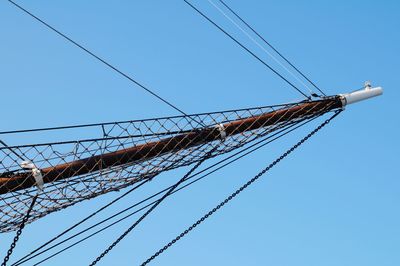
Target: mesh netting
[{"x": 124, "y": 153}]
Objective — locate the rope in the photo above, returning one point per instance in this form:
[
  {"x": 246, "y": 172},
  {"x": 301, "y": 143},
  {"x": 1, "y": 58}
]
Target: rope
[
  {"x": 19, "y": 232},
  {"x": 237, "y": 192}
]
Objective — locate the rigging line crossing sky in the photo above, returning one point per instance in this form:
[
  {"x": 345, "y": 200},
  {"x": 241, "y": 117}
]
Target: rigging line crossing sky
[
  {"x": 102, "y": 60},
  {"x": 14, "y": 152},
  {"x": 80, "y": 222},
  {"x": 259, "y": 45},
  {"x": 365, "y": 202},
  {"x": 239, "y": 190},
  {"x": 247, "y": 49},
  {"x": 269, "y": 44},
  {"x": 171, "y": 190},
  {"x": 91, "y": 235},
  {"x": 19, "y": 231},
  {"x": 252, "y": 148}
]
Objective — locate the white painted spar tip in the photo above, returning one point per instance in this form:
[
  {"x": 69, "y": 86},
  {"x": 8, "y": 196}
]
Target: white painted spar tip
[{"x": 360, "y": 95}]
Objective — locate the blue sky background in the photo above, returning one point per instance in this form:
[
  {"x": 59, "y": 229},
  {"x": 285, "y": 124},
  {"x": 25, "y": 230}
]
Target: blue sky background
[{"x": 334, "y": 202}]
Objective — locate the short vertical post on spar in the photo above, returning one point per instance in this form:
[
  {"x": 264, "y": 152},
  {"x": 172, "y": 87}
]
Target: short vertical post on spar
[{"x": 360, "y": 95}]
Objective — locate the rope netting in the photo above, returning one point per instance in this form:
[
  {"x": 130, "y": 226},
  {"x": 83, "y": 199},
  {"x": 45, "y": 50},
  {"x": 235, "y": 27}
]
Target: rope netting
[{"x": 120, "y": 154}]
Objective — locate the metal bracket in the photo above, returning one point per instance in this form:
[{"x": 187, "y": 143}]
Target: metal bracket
[
  {"x": 222, "y": 131},
  {"x": 36, "y": 173}
]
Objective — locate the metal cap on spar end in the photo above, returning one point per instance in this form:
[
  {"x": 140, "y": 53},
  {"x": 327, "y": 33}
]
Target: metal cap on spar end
[{"x": 360, "y": 95}]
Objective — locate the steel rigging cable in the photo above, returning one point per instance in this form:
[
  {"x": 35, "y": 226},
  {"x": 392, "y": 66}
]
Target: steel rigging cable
[
  {"x": 246, "y": 49},
  {"x": 151, "y": 203},
  {"x": 19, "y": 232},
  {"x": 100, "y": 59},
  {"x": 247, "y": 151},
  {"x": 238, "y": 191},
  {"x": 261, "y": 46},
  {"x": 171, "y": 190},
  {"x": 271, "y": 46},
  {"x": 23, "y": 259},
  {"x": 24, "y": 220}
]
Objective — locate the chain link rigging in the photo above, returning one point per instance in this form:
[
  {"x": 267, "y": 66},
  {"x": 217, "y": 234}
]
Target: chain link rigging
[
  {"x": 80, "y": 169},
  {"x": 171, "y": 190},
  {"x": 239, "y": 190},
  {"x": 19, "y": 232}
]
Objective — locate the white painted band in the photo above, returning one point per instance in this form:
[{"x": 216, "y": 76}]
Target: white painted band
[
  {"x": 36, "y": 173},
  {"x": 38, "y": 178},
  {"x": 222, "y": 131}
]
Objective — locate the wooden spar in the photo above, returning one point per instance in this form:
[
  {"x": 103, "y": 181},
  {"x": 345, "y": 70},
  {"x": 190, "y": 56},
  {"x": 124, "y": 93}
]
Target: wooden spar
[{"x": 153, "y": 149}]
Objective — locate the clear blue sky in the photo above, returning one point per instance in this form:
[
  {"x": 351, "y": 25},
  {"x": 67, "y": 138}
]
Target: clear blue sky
[{"x": 334, "y": 202}]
